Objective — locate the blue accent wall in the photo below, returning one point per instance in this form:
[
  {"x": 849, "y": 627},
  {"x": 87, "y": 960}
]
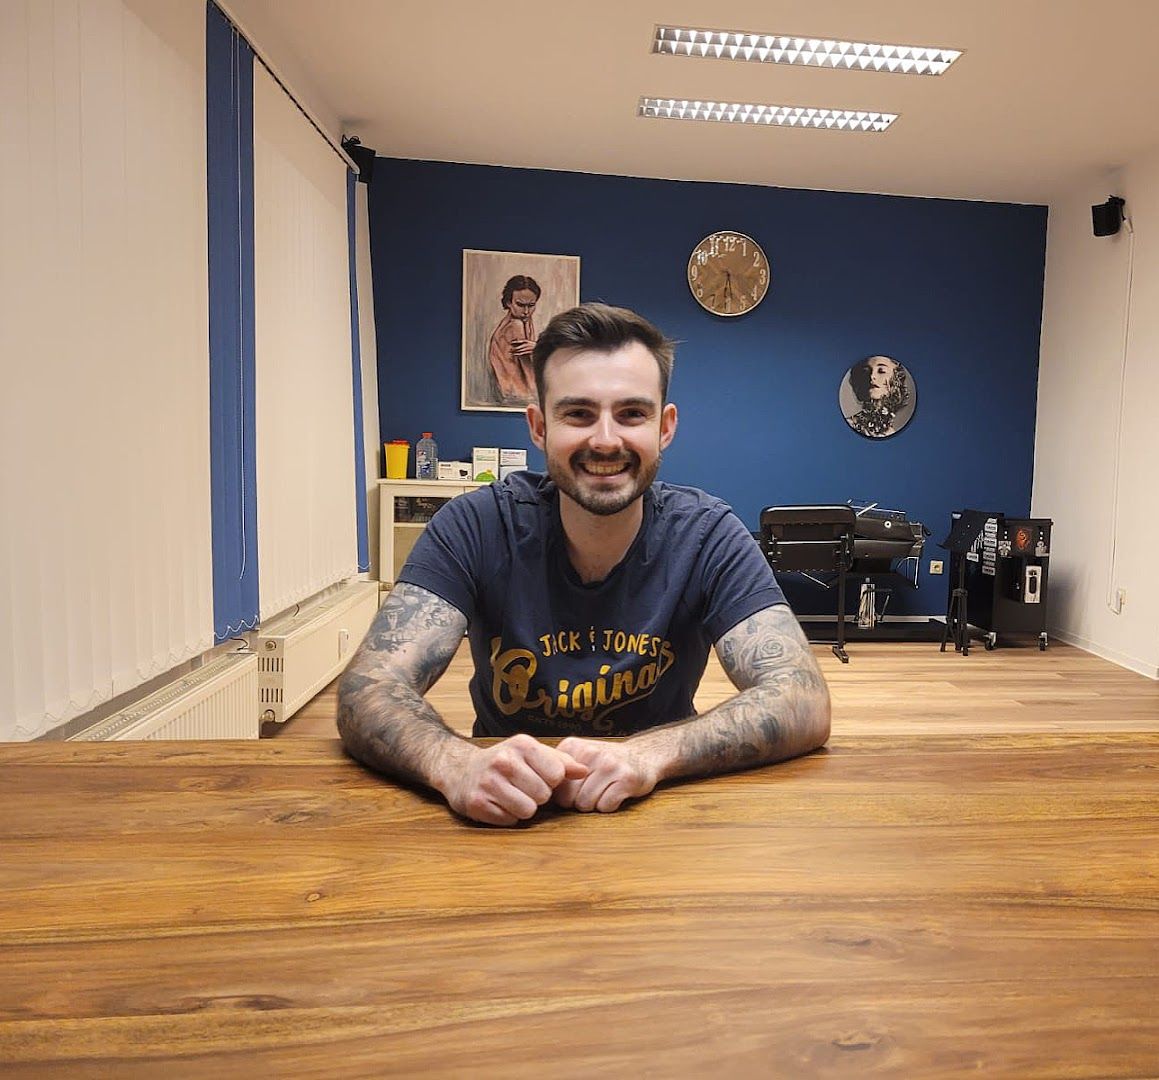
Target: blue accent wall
[{"x": 953, "y": 290}]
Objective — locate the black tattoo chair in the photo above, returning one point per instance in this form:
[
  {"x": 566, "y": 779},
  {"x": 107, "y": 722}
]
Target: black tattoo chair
[{"x": 812, "y": 538}]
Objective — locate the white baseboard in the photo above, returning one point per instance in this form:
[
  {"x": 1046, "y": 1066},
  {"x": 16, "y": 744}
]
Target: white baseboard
[{"x": 1131, "y": 663}]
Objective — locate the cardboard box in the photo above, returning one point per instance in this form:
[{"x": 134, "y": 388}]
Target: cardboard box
[
  {"x": 511, "y": 461},
  {"x": 454, "y": 470},
  {"x": 485, "y": 463}
]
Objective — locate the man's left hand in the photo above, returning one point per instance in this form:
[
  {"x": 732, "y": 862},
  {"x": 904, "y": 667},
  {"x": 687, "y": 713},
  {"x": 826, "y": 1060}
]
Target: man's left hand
[{"x": 616, "y": 771}]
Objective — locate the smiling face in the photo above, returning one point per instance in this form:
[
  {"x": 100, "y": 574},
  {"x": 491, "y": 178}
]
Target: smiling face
[{"x": 602, "y": 426}]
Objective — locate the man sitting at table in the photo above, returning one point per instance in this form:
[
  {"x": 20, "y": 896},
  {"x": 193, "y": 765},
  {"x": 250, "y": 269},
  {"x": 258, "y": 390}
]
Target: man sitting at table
[{"x": 590, "y": 597}]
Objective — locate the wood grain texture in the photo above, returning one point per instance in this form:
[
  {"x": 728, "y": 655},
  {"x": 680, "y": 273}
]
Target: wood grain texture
[
  {"x": 895, "y": 905},
  {"x": 892, "y": 688}
]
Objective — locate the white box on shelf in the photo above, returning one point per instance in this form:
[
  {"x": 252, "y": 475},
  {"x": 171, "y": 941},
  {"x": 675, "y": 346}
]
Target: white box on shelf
[
  {"x": 511, "y": 461},
  {"x": 454, "y": 470},
  {"x": 485, "y": 463}
]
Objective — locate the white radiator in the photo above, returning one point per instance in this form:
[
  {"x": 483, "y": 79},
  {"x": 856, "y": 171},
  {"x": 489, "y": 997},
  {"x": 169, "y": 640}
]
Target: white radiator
[
  {"x": 299, "y": 654},
  {"x": 217, "y": 701}
]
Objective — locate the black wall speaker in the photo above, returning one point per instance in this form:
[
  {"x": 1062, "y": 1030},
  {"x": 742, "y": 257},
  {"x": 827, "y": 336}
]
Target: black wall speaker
[
  {"x": 362, "y": 156},
  {"x": 1107, "y": 217}
]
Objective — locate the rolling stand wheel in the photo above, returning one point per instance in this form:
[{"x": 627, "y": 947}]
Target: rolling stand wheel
[
  {"x": 841, "y": 654},
  {"x": 991, "y": 641},
  {"x": 1042, "y": 642}
]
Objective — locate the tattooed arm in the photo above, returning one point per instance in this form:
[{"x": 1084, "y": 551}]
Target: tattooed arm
[
  {"x": 781, "y": 711},
  {"x": 382, "y": 717},
  {"x": 386, "y": 724}
]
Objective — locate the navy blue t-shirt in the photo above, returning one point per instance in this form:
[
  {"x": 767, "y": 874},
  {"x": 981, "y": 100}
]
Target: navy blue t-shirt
[{"x": 554, "y": 656}]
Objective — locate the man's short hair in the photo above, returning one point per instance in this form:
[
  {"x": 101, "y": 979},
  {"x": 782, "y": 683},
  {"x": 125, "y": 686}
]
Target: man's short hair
[
  {"x": 603, "y": 328},
  {"x": 519, "y": 281}
]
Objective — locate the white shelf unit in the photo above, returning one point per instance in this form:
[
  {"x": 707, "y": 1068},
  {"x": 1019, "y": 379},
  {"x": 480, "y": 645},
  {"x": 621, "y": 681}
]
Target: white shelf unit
[{"x": 401, "y": 500}]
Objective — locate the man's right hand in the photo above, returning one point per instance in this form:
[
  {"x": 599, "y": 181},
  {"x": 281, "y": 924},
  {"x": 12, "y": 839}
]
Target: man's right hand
[{"x": 507, "y": 782}]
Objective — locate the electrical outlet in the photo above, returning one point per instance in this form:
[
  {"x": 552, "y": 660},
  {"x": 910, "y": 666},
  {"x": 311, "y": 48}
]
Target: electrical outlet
[
  {"x": 1120, "y": 597},
  {"x": 935, "y": 566}
]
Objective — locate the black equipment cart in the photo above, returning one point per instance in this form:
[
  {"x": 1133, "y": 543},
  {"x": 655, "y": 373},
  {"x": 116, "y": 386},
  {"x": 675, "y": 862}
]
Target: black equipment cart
[{"x": 998, "y": 582}]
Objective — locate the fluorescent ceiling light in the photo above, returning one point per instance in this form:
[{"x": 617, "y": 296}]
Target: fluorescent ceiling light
[
  {"x": 777, "y": 115},
  {"x": 811, "y": 52}
]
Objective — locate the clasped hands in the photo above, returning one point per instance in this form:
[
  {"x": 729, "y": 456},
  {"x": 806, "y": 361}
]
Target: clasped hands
[{"x": 510, "y": 781}]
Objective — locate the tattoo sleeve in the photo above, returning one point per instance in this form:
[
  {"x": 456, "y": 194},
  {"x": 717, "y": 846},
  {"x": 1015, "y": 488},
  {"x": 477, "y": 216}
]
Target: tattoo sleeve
[
  {"x": 382, "y": 717},
  {"x": 781, "y": 710}
]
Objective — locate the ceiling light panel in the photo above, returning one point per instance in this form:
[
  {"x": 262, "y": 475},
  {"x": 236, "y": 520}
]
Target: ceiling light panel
[
  {"x": 774, "y": 115},
  {"x": 809, "y": 52}
]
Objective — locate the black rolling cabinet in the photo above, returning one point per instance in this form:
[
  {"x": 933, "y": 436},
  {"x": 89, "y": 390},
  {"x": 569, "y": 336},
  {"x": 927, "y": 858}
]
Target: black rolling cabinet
[{"x": 1007, "y": 578}]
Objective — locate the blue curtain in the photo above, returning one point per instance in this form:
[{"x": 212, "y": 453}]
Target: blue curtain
[
  {"x": 356, "y": 360},
  {"x": 230, "y": 185}
]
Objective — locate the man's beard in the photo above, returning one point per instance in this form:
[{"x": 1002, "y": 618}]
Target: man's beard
[{"x": 603, "y": 503}]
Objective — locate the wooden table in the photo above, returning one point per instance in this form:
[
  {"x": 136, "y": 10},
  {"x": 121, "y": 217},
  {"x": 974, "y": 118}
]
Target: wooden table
[{"x": 897, "y": 906}]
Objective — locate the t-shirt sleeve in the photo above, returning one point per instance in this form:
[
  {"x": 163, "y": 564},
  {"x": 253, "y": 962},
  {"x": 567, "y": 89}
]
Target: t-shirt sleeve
[
  {"x": 738, "y": 581},
  {"x": 446, "y": 559}
]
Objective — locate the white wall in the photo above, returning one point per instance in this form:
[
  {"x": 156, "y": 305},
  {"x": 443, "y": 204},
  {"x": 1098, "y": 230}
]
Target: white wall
[{"x": 1105, "y": 529}]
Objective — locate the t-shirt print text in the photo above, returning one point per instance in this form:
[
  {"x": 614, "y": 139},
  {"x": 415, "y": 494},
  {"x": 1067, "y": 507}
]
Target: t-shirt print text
[{"x": 615, "y": 668}]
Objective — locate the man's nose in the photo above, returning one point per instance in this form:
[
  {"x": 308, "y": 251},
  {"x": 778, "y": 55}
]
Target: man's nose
[{"x": 606, "y": 434}]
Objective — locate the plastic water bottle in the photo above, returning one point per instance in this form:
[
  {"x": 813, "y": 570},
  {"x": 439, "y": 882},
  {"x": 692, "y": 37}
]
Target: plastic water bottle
[{"x": 426, "y": 458}]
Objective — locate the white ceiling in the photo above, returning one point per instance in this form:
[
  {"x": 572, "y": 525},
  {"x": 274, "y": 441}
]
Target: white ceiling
[{"x": 1048, "y": 90}]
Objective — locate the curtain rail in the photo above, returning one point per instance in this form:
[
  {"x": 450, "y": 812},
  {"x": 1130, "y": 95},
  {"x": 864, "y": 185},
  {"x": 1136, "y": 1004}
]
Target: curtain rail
[{"x": 239, "y": 26}]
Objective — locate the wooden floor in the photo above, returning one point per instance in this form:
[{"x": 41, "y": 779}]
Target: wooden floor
[{"x": 891, "y": 688}]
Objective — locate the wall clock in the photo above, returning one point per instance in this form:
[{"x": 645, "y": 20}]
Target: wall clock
[{"x": 728, "y": 273}]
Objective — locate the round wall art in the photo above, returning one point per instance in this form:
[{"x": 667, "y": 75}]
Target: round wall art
[{"x": 877, "y": 397}]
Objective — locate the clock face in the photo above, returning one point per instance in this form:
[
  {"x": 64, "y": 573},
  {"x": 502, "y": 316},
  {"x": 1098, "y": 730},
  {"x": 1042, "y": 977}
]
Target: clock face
[{"x": 728, "y": 273}]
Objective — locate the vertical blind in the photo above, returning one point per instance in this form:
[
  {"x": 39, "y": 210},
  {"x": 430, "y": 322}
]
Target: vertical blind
[
  {"x": 368, "y": 349},
  {"x": 307, "y": 538},
  {"x": 229, "y": 66},
  {"x": 361, "y": 537},
  {"x": 105, "y": 565}
]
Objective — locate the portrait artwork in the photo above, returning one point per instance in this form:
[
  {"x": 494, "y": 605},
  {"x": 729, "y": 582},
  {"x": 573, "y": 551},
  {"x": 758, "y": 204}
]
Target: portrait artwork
[
  {"x": 877, "y": 397},
  {"x": 508, "y": 296}
]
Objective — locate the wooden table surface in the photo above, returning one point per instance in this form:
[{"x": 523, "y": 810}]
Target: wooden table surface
[{"x": 899, "y": 906}]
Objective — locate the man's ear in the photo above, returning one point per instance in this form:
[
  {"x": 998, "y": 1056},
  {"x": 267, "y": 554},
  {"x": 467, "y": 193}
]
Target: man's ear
[
  {"x": 667, "y": 425},
  {"x": 536, "y": 425}
]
